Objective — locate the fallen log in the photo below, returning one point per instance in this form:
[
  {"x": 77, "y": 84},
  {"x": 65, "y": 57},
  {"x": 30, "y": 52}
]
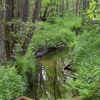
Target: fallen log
[{"x": 67, "y": 66}]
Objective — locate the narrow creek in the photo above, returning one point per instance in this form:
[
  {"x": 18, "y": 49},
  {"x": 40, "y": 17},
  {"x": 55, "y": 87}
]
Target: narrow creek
[{"x": 49, "y": 80}]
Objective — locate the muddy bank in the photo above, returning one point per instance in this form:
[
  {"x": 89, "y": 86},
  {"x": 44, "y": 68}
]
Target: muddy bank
[{"x": 41, "y": 52}]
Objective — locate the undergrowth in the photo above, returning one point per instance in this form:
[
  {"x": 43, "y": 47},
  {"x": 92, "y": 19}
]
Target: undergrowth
[
  {"x": 51, "y": 35},
  {"x": 87, "y": 66},
  {"x": 46, "y": 36},
  {"x": 11, "y": 84}
]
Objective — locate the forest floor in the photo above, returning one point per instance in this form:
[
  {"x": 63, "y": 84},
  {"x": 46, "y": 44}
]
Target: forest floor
[{"x": 54, "y": 34}]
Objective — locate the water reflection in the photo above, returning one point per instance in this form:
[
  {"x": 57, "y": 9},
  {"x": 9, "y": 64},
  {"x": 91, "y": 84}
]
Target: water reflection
[{"x": 49, "y": 77}]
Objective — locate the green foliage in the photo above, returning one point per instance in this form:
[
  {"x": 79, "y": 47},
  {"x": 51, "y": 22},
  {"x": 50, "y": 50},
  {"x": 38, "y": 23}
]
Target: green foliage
[
  {"x": 25, "y": 65},
  {"x": 47, "y": 40},
  {"x": 46, "y": 2},
  {"x": 77, "y": 29},
  {"x": 11, "y": 84},
  {"x": 68, "y": 22},
  {"x": 87, "y": 65},
  {"x": 51, "y": 35},
  {"x": 52, "y": 5},
  {"x": 92, "y": 14},
  {"x": 88, "y": 44},
  {"x": 2, "y": 5},
  {"x": 91, "y": 10},
  {"x": 51, "y": 20}
]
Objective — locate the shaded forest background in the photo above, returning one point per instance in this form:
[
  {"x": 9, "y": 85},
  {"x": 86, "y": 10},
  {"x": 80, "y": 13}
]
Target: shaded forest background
[{"x": 18, "y": 17}]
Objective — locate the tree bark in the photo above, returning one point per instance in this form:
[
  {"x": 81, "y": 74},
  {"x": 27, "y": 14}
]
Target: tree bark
[
  {"x": 77, "y": 8},
  {"x": 2, "y": 45},
  {"x": 62, "y": 8},
  {"x": 36, "y": 10},
  {"x": 84, "y": 5},
  {"x": 45, "y": 14},
  {"x": 26, "y": 10},
  {"x": 9, "y": 15}
]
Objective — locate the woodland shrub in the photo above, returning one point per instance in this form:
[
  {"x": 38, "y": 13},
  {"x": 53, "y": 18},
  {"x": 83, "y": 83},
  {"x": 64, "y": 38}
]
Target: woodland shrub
[
  {"x": 77, "y": 29},
  {"x": 25, "y": 66},
  {"x": 91, "y": 16},
  {"x": 51, "y": 35},
  {"x": 47, "y": 40},
  {"x": 68, "y": 22},
  {"x": 87, "y": 66},
  {"x": 11, "y": 84}
]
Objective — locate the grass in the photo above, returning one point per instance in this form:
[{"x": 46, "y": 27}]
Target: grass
[
  {"x": 51, "y": 35},
  {"x": 87, "y": 65},
  {"x": 11, "y": 84}
]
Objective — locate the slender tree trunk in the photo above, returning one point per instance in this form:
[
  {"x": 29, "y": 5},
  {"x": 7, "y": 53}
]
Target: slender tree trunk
[
  {"x": 26, "y": 10},
  {"x": 67, "y": 8},
  {"x": 77, "y": 7},
  {"x": 20, "y": 9},
  {"x": 45, "y": 13},
  {"x": 2, "y": 45},
  {"x": 9, "y": 15},
  {"x": 36, "y": 10},
  {"x": 88, "y": 2},
  {"x": 62, "y": 8},
  {"x": 84, "y": 5}
]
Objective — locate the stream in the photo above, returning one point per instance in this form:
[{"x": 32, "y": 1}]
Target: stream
[{"x": 49, "y": 79}]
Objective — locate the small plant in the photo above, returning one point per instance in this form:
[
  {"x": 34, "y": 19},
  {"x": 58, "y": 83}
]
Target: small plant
[
  {"x": 87, "y": 65},
  {"x": 11, "y": 84},
  {"x": 92, "y": 15},
  {"x": 25, "y": 66},
  {"x": 91, "y": 10},
  {"x": 77, "y": 29}
]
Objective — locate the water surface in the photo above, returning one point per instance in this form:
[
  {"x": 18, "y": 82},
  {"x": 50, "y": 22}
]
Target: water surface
[{"x": 50, "y": 80}]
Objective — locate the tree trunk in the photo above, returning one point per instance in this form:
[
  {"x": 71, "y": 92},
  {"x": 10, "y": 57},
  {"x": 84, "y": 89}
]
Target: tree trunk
[
  {"x": 36, "y": 10},
  {"x": 19, "y": 9},
  {"x": 9, "y": 15},
  {"x": 45, "y": 13},
  {"x": 77, "y": 8},
  {"x": 84, "y": 5},
  {"x": 2, "y": 45},
  {"x": 26, "y": 10},
  {"x": 62, "y": 8}
]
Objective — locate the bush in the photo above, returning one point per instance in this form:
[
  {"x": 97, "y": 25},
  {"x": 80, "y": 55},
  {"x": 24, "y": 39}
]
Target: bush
[
  {"x": 48, "y": 35},
  {"x": 25, "y": 66},
  {"x": 11, "y": 84},
  {"x": 87, "y": 65},
  {"x": 77, "y": 29}
]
